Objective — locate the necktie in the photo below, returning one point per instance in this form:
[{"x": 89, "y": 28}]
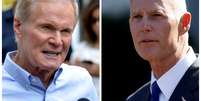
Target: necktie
[{"x": 155, "y": 92}]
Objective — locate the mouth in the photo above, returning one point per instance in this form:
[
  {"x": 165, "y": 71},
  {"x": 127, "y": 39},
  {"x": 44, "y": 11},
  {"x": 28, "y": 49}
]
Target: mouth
[
  {"x": 51, "y": 54},
  {"x": 148, "y": 41}
]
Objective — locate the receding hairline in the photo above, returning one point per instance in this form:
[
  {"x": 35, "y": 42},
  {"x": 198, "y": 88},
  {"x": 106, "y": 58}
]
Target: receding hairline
[
  {"x": 178, "y": 5},
  {"x": 175, "y": 4}
]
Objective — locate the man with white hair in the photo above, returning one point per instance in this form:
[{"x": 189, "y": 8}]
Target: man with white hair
[
  {"x": 35, "y": 71},
  {"x": 159, "y": 30}
]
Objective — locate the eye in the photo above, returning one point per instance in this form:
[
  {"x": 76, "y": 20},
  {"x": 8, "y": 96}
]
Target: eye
[
  {"x": 47, "y": 28},
  {"x": 157, "y": 15},
  {"x": 66, "y": 31},
  {"x": 138, "y": 16}
]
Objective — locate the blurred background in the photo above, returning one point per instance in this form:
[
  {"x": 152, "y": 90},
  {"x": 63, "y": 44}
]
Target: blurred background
[{"x": 123, "y": 70}]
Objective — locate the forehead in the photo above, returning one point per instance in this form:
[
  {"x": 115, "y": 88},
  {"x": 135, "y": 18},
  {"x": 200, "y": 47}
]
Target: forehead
[
  {"x": 137, "y": 5},
  {"x": 52, "y": 5},
  {"x": 54, "y": 11}
]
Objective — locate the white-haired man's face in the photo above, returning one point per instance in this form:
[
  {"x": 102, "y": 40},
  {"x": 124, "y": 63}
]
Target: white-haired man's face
[
  {"x": 154, "y": 27},
  {"x": 44, "y": 39}
]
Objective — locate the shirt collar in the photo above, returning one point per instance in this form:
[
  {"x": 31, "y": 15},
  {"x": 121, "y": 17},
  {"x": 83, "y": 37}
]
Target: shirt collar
[
  {"x": 18, "y": 73},
  {"x": 57, "y": 74},
  {"x": 168, "y": 81},
  {"x": 22, "y": 76}
]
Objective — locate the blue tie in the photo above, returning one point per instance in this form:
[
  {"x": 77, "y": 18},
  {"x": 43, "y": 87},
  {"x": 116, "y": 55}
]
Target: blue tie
[{"x": 155, "y": 92}]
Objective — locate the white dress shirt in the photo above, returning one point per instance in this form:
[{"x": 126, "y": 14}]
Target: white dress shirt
[{"x": 168, "y": 81}]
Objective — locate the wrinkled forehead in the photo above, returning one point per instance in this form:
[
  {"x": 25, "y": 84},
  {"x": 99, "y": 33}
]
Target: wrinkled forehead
[
  {"x": 53, "y": 11},
  {"x": 63, "y": 2},
  {"x": 58, "y": 4}
]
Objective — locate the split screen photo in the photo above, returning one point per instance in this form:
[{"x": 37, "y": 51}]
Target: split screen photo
[{"x": 100, "y": 50}]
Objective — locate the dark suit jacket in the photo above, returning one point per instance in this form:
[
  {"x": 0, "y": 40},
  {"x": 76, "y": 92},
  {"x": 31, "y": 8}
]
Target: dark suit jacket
[{"x": 188, "y": 87}]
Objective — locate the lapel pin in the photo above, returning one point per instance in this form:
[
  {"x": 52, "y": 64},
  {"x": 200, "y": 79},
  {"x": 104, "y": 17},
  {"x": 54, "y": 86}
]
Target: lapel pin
[{"x": 182, "y": 98}]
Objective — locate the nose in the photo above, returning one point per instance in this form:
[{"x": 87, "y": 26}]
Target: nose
[
  {"x": 56, "y": 39},
  {"x": 146, "y": 25}
]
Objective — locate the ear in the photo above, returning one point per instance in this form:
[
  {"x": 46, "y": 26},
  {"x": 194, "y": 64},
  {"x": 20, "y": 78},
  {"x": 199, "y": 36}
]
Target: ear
[
  {"x": 184, "y": 24},
  {"x": 17, "y": 28}
]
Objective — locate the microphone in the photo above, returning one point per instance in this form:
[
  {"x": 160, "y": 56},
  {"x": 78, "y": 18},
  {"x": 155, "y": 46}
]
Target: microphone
[{"x": 83, "y": 99}]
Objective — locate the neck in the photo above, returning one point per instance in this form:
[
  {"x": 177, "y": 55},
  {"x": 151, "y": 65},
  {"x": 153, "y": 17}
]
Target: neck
[
  {"x": 161, "y": 66},
  {"x": 44, "y": 75}
]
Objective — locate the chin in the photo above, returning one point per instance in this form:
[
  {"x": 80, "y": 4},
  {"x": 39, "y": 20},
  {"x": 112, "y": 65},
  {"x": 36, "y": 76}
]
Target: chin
[
  {"x": 50, "y": 65},
  {"x": 55, "y": 65},
  {"x": 148, "y": 56}
]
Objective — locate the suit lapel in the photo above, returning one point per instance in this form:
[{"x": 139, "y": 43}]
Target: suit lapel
[
  {"x": 148, "y": 94},
  {"x": 142, "y": 94},
  {"x": 188, "y": 87}
]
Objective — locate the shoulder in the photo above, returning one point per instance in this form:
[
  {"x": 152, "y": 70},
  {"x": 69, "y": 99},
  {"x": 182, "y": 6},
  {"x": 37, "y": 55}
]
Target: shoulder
[
  {"x": 73, "y": 69},
  {"x": 6, "y": 76},
  {"x": 192, "y": 74},
  {"x": 193, "y": 71},
  {"x": 196, "y": 63},
  {"x": 140, "y": 94},
  {"x": 78, "y": 80},
  {"x": 188, "y": 87},
  {"x": 9, "y": 84}
]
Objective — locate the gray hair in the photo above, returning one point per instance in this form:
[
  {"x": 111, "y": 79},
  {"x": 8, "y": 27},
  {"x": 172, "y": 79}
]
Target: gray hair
[
  {"x": 179, "y": 7},
  {"x": 23, "y": 8}
]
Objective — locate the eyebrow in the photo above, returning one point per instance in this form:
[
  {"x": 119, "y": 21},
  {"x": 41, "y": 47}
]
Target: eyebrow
[
  {"x": 158, "y": 10},
  {"x": 133, "y": 12},
  {"x": 54, "y": 24}
]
